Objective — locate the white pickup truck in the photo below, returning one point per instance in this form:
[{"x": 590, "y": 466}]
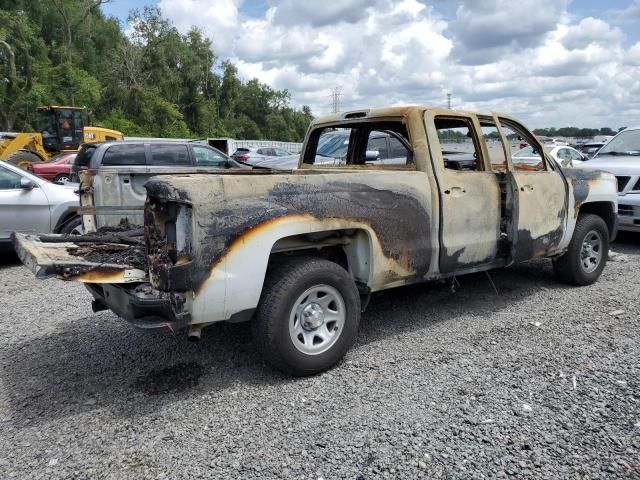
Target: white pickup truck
[{"x": 298, "y": 253}]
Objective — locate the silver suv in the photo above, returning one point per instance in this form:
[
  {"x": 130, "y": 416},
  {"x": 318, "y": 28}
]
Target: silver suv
[{"x": 144, "y": 154}]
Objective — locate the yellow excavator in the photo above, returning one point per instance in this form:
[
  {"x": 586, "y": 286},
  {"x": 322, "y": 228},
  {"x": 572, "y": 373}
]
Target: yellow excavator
[{"x": 60, "y": 129}]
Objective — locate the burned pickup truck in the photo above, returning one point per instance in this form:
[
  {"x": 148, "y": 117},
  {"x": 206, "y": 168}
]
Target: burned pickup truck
[{"x": 411, "y": 194}]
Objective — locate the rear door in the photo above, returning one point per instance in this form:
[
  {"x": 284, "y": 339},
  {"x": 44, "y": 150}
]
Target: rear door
[
  {"x": 469, "y": 191},
  {"x": 541, "y": 194}
]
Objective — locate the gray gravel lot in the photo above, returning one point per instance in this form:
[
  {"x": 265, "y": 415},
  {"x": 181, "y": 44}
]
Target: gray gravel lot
[{"x": 540, "y": 381}]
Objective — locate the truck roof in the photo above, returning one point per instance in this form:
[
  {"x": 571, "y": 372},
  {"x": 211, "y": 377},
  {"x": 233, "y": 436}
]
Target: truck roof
[{"x": 395, "y": 111}]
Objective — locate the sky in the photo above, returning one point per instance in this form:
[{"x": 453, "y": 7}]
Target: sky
[{"x": 548, "y": 62}]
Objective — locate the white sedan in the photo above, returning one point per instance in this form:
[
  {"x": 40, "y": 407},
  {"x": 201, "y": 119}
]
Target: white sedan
[
  {"x": 563, "y": 155},
  {"x": 34, "y": 205}
]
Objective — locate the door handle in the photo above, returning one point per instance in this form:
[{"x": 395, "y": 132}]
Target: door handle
[
  {"x": 526, "y": 188},
  {"x": 455, "y": 191}
]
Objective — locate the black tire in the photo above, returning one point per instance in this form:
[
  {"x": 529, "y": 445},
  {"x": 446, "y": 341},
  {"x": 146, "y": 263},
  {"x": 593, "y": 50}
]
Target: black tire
[
  {"x": 282, "y": 289},
  {"x": 569, "y": 267},
  {"x": 23, "y": 158},
  {"x": 61, "y": 178},
  {"x": 70, "y": 225}
]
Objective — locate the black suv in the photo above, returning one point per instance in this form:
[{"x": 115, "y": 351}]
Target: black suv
[{"x": 131, "y": 153}]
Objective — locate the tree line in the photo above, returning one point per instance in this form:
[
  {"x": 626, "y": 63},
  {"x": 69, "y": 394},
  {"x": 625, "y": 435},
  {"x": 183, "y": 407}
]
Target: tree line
[
  {"x": 150, "y": 81},
  {"x": 575, "y": 132}
]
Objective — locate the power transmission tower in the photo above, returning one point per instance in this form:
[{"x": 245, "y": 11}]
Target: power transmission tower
[
  {"x": 336, "y": 93},
  {"x": 449, "y": 101}
]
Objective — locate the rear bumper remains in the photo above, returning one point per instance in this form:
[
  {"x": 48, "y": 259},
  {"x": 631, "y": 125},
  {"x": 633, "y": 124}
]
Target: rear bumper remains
[
  {"x": 53, "y": 259},
  {"x": 141, "y": 305}
]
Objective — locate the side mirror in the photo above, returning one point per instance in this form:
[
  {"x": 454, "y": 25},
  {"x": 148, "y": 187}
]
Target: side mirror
[
  {"x": 372, "y": 155},
  {"x": 26, "y": 184}
]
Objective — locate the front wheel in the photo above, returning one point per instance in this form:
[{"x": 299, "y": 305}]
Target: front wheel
[
  {"x": 587, "y": 254},
  {"x": 308, "y": 316},
  {"x": 73, "y": 226}
]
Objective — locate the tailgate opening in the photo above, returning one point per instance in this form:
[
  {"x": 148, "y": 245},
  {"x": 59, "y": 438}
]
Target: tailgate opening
[{"x": 99, "y": 257}]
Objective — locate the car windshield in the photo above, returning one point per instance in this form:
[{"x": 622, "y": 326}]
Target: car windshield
[
  {"x": 333, "y": 144},
  {"x": 626, "y": 143}
]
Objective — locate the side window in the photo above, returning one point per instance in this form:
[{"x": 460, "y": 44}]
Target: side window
[
  {"x": 459, "y": 146},
  {"x": 9, "y": 180},
  {"x": 207, "y": 157},
  {"x": 359, "y": 145},
  {"x": 377, "y": 144},
  {"x": 564, "y": 156},
  {"x": 124, "y": 155},
  {"x": 493, "y": 140},
  {"x": 524, "y": 158},
  {"x": 281, "y": 152},
  {"x": 169, "y": 155},
  {"x": 575, "y": 156}
]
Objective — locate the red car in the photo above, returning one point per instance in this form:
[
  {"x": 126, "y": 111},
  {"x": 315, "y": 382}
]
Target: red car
[{"x": 57, "y": 169}]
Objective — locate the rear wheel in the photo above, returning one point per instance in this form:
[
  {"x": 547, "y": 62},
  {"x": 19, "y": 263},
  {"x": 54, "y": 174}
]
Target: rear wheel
[
  {"x": 587, "y": 254},
  {"x": 62, "y": 178},
  {"x": 24, "y": 158},
  {"x": 308, "y": 316}
]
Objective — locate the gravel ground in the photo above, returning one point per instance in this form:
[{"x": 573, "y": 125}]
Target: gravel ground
[{"x": 539, "y": 381}]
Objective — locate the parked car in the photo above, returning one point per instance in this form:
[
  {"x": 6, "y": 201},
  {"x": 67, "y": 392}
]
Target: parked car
[
  {"x": 565, "y": 156},
  {"x": 162, "y": 155},
  {"x": 591, "y": 148},
  {"x": 57, "y": 169},
  {"x": 621, "y": 157},
  {"x": 298, "y": 254},
  {"x": 255, "y": 155},
  {"x": 125, "y": 166},
  {"x": 30, "y": 204},
  {"x": 384, "y": 149}
]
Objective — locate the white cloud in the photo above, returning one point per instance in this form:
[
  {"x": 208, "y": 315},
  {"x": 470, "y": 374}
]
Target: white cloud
[
  {"x": 532, "y": 58},
  {"x": 591, "y": 30}
]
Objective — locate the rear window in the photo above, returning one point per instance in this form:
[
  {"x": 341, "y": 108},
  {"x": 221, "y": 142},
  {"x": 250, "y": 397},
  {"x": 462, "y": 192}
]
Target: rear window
[
  {"x": 84, "y": 156},
  {"x": 240, "y": 151},
  {"x": 124, "y": 155},
  {"x": 169, "y": 155}
]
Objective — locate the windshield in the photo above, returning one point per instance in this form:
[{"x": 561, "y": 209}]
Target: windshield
[
  {"x": 626, "y": 143},
  {"x": 333, "y": 144},
  {"x": 47, "y": 123}
]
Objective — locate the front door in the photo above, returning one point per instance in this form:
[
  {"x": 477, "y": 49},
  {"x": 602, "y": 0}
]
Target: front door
[
  {"x": 470, "y": 206},
  {"x": 541, "y": 191},
  {"x": 23, "y": 210}
]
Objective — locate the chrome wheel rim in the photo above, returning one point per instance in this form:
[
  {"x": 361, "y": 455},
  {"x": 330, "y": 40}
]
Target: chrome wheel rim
[
  {"x": 591, "y": 252},
  {"x": 62, "y": 180},
  {"x": 317, "y": 319}
]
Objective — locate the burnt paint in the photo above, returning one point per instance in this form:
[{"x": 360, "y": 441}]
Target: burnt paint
[
  {"x": 529, "y": 247},
  {"x": 400, "y": 222},
  {"x": 580, "y": 180},
  {"x": 450, "y": 262}
]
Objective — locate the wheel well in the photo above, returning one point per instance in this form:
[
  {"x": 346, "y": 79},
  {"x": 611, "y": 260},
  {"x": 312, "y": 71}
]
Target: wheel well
[
  {"x": 349, "y": 248},
  {"x": 64, "y": 218},
  {"x": 603, "y": 210}
]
